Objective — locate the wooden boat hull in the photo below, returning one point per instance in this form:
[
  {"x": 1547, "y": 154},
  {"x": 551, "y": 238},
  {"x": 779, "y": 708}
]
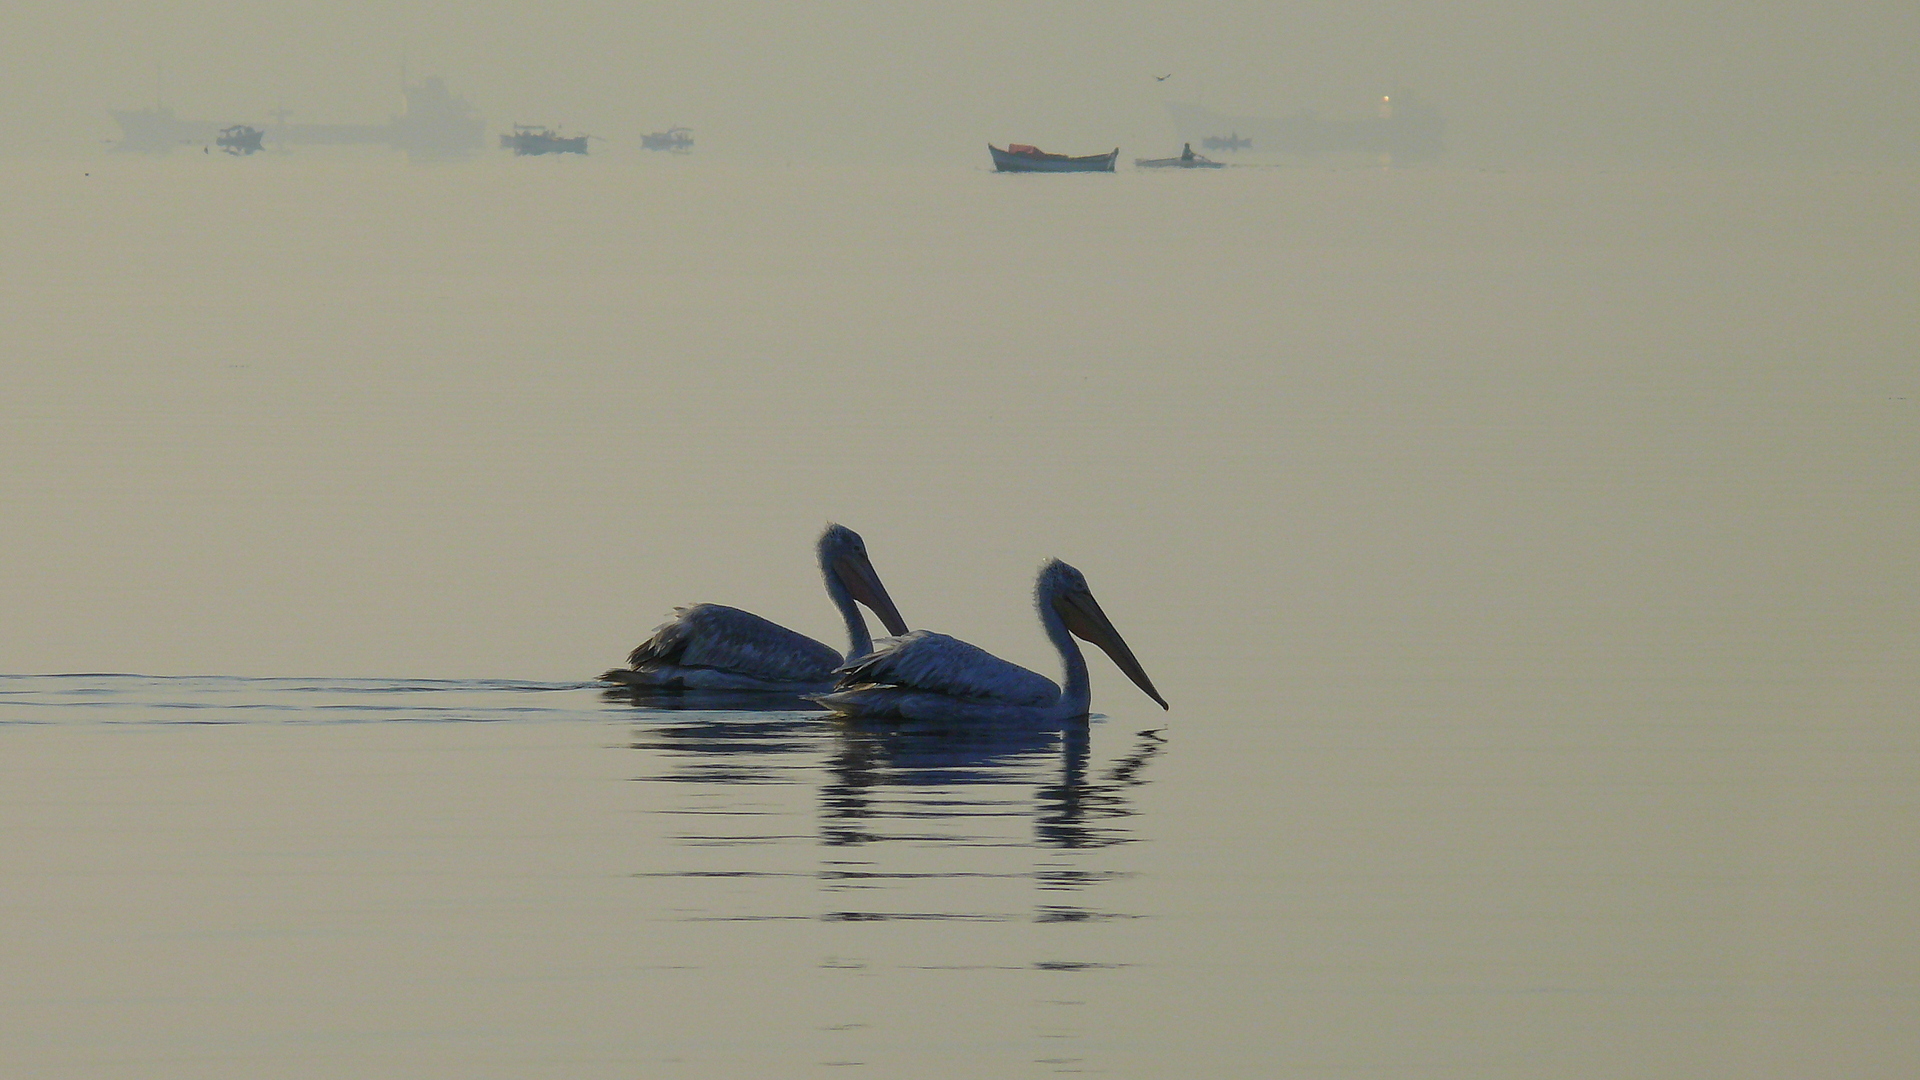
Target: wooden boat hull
[{"x": 1007, "y": 161}]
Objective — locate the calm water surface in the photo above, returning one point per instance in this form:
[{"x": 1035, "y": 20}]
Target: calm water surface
[
  {"x": 1528, "y": 558},
  {"x": 1435, "y": 877},
  {"x": 313, "y": 876}
]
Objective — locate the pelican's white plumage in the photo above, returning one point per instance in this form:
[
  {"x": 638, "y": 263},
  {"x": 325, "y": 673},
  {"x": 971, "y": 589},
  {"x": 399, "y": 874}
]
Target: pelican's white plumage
[
  {"x": 934, "y": 678},
  {"x": 937, "y": 664},
  {"x": 715, "y": 647}
]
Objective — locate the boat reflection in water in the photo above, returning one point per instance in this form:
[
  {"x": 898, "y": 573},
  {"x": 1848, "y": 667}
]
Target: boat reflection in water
[{"x": 845, "y": 822}]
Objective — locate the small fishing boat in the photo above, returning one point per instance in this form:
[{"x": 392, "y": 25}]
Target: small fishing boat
[
  {"x": 239, "y": 139},
  {"x": 677, "y": 139},
  {"x": 532, "y": 139},
  {"x": 1187, "y": 160},
  {"x": 1019, "y": 157},
  {"x": 1227, "y": 142}
]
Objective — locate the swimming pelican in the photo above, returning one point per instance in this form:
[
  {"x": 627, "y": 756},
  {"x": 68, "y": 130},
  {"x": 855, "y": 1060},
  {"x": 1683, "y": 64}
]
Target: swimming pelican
[
  {"x": 712, "y": 647},
  {"x": 934, "y": 678}
]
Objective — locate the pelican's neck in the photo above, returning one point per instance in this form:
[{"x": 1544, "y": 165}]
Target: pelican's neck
[
  {"x": 857, "y": 636},
  {"x": 1076, "y": 693}
]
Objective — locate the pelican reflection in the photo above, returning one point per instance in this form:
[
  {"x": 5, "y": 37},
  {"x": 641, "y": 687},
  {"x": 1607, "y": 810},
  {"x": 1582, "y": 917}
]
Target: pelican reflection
[
  {"x": 848, "y": 821},
  {"x": 877, "y": 783}
]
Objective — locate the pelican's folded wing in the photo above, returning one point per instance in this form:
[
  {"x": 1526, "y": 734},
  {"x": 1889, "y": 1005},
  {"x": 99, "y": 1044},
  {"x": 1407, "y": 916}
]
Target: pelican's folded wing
[
  {"x": 728, "y": 639},
  {"x": 938, "y": 664}
]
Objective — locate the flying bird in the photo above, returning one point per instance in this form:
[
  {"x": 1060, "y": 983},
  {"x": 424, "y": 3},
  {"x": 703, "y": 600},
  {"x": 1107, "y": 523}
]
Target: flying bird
[
  {"x": 934, "y": 678},
  {"x": 1163, "y": 78},
  {"x": 714, "y": 647}
]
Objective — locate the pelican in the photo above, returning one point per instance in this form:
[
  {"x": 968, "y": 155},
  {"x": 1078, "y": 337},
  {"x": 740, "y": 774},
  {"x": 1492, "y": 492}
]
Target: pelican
[
  {"x": 713, "y": 647},
  {"x": 934, "y": 678}
]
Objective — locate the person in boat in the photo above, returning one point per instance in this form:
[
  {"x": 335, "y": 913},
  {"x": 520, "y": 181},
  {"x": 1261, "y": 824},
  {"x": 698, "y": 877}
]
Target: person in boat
[{"x": 1186, "y": 152}]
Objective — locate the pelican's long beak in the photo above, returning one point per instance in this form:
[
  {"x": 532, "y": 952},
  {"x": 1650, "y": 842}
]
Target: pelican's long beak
[
  {"x": 1089, "y": 623},
  {"x": 863, "y": 583}
]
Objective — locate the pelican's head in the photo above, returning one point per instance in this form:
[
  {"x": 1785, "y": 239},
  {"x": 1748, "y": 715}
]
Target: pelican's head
[
  {"x": 843, "y": 558},
  {"x": 1065, "y": 590}
]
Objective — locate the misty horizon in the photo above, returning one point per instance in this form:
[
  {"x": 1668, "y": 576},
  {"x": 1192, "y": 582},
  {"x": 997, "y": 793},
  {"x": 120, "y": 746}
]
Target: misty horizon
[{"x": 1704, "y": 85}]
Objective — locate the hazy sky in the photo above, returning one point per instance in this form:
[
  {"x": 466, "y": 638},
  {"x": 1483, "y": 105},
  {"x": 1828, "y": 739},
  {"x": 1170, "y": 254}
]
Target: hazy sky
[{"x": 1619, "y": 79}]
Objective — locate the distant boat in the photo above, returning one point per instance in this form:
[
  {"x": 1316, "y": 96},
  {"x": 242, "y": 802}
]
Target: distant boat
[
  {"x": 436, "y": 124},
  {"x": 1403, "y": 129},
  {"x": 1227, "y": 142},
  {"x": 157, "y": 130},
  {"x": 1018, "y": 157},
  {"x": 677, "y": 139},
  {"x": 239, "y": 139},
  {"x": 532, "y": 139},
  {"x": 1187, "y": 160}
]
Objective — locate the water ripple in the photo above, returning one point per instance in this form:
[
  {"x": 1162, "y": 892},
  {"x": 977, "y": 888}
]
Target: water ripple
[
  {"x": 1006, "y": 849},
  {"x": 112, "y": 698}
]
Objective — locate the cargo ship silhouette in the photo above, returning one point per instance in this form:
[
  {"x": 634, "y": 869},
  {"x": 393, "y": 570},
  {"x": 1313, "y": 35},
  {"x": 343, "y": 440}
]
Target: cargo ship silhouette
[{"x": 436, "y": 123}]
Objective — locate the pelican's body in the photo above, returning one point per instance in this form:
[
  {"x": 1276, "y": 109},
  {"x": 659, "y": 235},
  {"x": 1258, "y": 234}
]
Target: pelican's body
[
  {"x": 933, "y": 678},
  {"x": 714, "y": 647}
]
